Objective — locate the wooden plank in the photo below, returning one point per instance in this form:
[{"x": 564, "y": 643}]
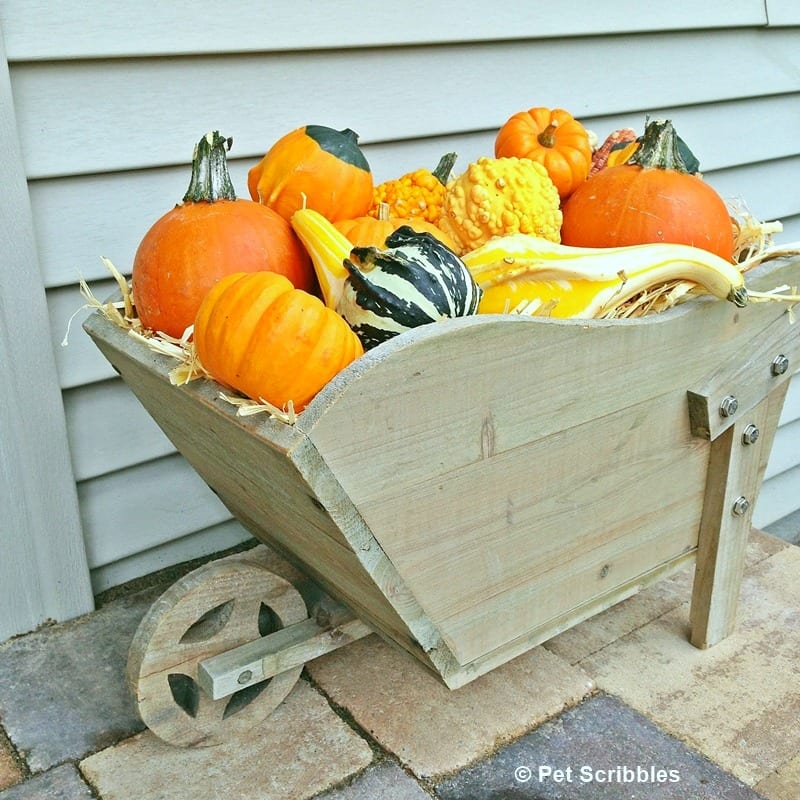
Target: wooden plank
[
  {"x": 43, "y": 570},
  {"x": 744, "y": 379},
  {"x": 123, "y": 105},
  {"x": 226, "y": 673},
  {"x": 437, "y": 501},
  {"x": 735, "y": 469},
  {"x": 151, "y": 28}
]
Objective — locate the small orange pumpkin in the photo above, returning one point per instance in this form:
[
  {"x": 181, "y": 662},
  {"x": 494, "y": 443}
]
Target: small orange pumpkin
[
  {"x": 209, "y": 235},
  {"x": 256, "y": 333},
  {"x": 554, "y": 138},
  {"x": 314, "y": 167},
  {"x": 371, "y": 231}
]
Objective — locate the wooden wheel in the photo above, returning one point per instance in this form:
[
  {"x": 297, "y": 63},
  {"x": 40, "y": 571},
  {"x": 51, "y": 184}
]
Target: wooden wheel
[{"x": 213, "y": 609}]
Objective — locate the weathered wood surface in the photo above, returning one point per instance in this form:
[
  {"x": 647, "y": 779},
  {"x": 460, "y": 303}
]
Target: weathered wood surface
[{"x": 473, "y": 488}]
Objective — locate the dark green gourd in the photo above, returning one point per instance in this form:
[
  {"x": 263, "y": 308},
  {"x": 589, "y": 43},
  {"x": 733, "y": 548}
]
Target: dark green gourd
[{"x": 413, "y": 281}]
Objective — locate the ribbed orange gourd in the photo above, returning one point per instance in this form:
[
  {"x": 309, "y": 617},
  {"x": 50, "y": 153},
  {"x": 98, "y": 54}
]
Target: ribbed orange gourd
[
  {"x": 369, "y": 230},
  {"x": 257, "y": 334},
  {"x": 209, "y": 235},
  {"x": 554, "y": 138},
  {"x": 651, "y": 198},
  {"x": 314, "y": 167}
]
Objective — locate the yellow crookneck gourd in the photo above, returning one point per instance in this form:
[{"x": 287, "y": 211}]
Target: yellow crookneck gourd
[
  {"x": 534, "y": 276},
  {"x": 328, "y": 248}
]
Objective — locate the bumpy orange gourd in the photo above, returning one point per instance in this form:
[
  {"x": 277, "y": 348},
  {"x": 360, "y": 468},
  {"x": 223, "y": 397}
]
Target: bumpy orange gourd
[
  {"x": 209, "y": 235},
  {"x": 554, "y": 138},
  {"x": 371, "y": 231},
  {"x": 256, "y": 333},
  {"x": 651, "y": 198},
  {"x": 415, "y": 195},
  {"x": 314, "y": 167}
]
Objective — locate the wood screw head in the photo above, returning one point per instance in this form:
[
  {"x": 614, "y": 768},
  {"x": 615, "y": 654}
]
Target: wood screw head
[
  {"x": 779, "y": 365},
  {"x": 728, "y": 406},
  {"x": 740, "y": 506},
  {"x": 750, "y": 434}
]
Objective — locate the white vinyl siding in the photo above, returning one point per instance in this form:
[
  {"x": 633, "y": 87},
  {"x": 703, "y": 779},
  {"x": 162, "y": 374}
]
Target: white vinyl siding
[{"x": 109, "y": 100}]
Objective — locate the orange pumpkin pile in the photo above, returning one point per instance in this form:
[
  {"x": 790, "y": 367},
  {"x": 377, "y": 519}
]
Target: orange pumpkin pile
[{"x": 236, "y": 270}]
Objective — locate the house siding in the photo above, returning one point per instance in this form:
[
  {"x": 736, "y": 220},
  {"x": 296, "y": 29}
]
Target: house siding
[{"x": 109, "y": 102}]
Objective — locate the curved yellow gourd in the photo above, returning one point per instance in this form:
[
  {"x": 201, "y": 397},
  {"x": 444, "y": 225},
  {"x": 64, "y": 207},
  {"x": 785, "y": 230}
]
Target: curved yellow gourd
[{"x": 540, "y": 276}]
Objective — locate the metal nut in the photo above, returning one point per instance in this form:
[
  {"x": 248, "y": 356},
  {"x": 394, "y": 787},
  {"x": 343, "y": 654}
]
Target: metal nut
[
  {"x": 728, "y": 406},
  {"x": 740, "y": 506},
  {"x": 779, "y": 365},
  {"x": 750, "y": 434}
]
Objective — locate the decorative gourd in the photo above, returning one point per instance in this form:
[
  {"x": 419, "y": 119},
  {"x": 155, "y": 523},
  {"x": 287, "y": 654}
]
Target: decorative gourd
[
  {"x": 651, "y": 198},
  {"x": 369, "y": 230},
  {"x": 415, "y": 195},
  {"x": 531, "y": 275},
  {"x": 500, "y": 196},
  {"x": 257, "y": 334},
  {"x": 314, "y": 167},
  {"x": 551, "y": 137},
  {"x": 209, "y": 235},
  {"x": 413, "y": 281}
]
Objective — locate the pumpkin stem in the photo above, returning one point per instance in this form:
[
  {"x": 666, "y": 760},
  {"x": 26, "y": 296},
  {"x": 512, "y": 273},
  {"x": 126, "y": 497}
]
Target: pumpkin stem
[
  {"x": 210, "y": 180},
  {"x": 444, "y": 168},
  {"x": 547, "y": 138},
  {"x": 383, "y": 212},
  {"x": 659, "y": 148}
]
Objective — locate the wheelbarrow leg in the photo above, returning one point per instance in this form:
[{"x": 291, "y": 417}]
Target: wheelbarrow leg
[{"x": 736, "y": 468}]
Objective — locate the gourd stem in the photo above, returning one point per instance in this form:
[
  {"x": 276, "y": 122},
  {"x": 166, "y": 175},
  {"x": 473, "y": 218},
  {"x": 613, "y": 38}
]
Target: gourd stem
[
  {"x": 659, "y": 148},
  {"x": 444, "y": 168},
  {"x": 210, "y": 180},
  {"x": 547, "y": 138}
]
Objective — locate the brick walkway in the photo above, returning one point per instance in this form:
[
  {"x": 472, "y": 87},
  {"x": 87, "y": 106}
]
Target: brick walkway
[{"x": 619, "y": 707}]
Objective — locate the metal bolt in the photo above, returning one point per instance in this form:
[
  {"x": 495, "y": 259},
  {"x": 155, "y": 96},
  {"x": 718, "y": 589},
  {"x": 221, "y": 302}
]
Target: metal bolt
[
  {"x": 740, "y": 506},
  {"x": 245, "y": 677},
  {"x": 750, "y": 434},
  {"x": 779, "y": 365},
  {"x": 728, "y": 406}
]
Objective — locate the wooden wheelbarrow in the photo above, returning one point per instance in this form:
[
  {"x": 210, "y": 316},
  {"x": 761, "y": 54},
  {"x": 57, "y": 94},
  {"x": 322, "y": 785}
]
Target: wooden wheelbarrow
[{"x": 467, "y": 490}]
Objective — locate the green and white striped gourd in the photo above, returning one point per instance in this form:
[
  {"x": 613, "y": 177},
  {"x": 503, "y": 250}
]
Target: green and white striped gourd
[{"x": 413, "y": 281}]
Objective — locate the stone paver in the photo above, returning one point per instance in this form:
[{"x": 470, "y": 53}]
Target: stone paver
[
  {"x": 10, "y": 770},
  {"x": 62, "y": 689},
  {"x": 431, "y": 729},
  {"x": 384, "y": 780},
  {"x": 737, "y": 702},
  {"x": 593, "y": 635},
  {"x": 784, "y": 783},
  {"x": 59, "y": 783},
  {"x": 600, "y": 750},
  {"x": 302, "y": 749}
]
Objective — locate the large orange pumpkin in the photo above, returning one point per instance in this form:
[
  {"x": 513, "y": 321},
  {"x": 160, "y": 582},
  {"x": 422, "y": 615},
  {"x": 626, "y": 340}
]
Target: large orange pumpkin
[
  {"x": 256, "y": 333},
  {"x": 314, "y": 167},
  {"x": 209, "y": 235},
  {"x": 651, "y": 198},
  {"x": 554, "y": 138}
]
